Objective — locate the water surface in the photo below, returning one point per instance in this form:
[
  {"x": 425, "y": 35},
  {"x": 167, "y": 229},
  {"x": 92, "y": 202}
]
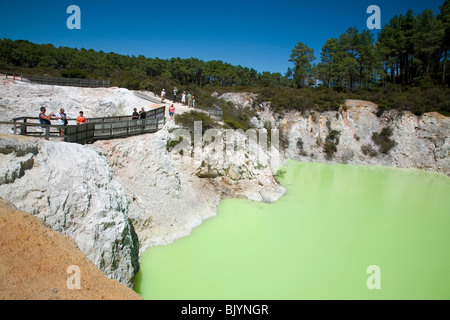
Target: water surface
[{"x": 316, "y": 242}]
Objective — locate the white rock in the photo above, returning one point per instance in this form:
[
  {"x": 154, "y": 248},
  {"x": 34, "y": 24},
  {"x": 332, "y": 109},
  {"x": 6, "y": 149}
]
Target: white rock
[{"x": 72, "y": 189}]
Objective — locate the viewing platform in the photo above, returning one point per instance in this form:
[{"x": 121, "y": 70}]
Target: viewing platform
[{"x": 94, "y": 129}]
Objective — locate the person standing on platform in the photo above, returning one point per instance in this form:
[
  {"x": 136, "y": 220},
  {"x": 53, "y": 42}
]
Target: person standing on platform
[{"x": 81, "y": 119}]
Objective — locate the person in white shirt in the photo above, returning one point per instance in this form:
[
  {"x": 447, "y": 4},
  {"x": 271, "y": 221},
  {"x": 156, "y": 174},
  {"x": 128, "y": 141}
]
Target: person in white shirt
[{"x": 61, "y": 120}]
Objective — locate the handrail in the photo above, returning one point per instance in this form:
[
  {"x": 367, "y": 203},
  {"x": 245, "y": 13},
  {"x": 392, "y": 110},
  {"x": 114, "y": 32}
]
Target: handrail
[
  {"x": 215, "y": 111},
  {"x": 76, "y": 82},
  {"x": 94, "y": 128}
]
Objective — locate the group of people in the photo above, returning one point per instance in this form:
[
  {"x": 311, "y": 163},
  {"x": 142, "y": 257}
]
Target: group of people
[
  {"x": 186, "y": 99},
  {"x": 60, "y": 117},
  {"x": 143, "y": 114},
  {"x": 190, "y": 99},
  {"x": 62, "y": 121},
  {"x": 139, "y": 115}
]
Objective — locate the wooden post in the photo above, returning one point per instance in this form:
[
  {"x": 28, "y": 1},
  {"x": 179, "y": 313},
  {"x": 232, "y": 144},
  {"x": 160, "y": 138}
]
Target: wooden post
[
  {"x": 23, "y": 128},
  {"x": 47, "y": 132}
]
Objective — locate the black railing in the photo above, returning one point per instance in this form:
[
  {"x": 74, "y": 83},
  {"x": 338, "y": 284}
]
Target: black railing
[
  {"x": 73, "y": 82},
  {"x": 214, "y": 111}
]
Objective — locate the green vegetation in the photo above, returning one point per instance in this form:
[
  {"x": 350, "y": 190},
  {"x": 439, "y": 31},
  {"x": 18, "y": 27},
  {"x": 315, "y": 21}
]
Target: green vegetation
[
  {"x": 187, "y": 120},
  {"x": 405, "y": 69},
  {"x": 383, "y": 140},
  {"x": 280, "y": 174},
  {"x": 331, "y": 143},
  {"x": 369, "y": 150}
]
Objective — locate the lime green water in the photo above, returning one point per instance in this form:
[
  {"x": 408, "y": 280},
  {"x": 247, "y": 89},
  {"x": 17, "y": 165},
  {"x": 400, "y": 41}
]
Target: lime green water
[{"x": 316, "y": 242}]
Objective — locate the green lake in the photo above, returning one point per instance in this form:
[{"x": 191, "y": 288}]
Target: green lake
[{"x": 316, "y": 242}]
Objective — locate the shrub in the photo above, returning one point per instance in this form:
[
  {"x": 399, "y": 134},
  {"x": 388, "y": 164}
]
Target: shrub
[
  {"x": 369, "y": 150},
  {"x": 74, "y": 74},
  {"x": 187, "y": 119},
  {"x": 383, "y": 140},
  {"x": 331, "y": 142},
  {"x": 329, "y": 148}
]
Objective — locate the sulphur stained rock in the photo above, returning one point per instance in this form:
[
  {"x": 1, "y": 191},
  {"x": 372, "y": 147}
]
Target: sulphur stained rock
[{"x": 72, "y": 189}]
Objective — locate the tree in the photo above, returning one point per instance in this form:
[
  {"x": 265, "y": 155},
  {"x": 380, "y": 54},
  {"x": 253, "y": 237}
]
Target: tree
[
  {"x": 302, "y": 56},
  {"x": 427, "y": 40},
  {"x": 444, "y": 18}
]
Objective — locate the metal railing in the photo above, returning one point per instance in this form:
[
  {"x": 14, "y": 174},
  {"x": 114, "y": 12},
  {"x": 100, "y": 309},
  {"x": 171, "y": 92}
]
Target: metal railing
[
  {"x": 214, "y": 111},
  {"x": 147, "y": 97},
  {"x": 73, "y": 82}
]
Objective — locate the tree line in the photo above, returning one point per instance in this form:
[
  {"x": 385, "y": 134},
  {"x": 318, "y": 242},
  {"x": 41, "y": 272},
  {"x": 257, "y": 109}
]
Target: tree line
[
  {"x": 123, "y": 70},
  {"x": 410, "y": 51},
  {"x": 405, "y": 68}
]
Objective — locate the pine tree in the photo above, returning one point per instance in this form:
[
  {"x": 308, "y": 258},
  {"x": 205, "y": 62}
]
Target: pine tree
[{"x": 302, "y": 56}]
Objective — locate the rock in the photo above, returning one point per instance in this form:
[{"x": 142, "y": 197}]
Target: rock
[
  {"x": 95, "y": 102},
  {"x": 421, "y": 141},
  {"x": 174, "y": 194},
  {"x": 240, "y": 99},
  {"x": 72, "y": 189}
]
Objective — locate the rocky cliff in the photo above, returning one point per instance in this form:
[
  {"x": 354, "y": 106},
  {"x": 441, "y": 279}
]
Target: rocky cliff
[
  {"x": 347, "y": 136},
  {"x": 72, "y": 189},
  {"x": 170, "y": 194},
  {"x": 116, "y": 198}
]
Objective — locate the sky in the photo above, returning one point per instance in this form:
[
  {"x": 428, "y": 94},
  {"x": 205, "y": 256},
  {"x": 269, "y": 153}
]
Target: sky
[{"x": 255, "y": 34}]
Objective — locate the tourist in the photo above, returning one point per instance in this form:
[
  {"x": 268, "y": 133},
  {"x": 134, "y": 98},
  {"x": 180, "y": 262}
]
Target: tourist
[
  {"x": 142, "y": 114},
  {"x": 81, "y": 119},
  {"x": 61, "y": 120},
  {"x": 175, "y": 91},
  {"x": 183, "y": 98},
  {"x": 135, "y": 114},
  {"x": 44, "y": 119},
  {"x": 163, "y": 95},
  {"x": 189, "y": 97},
  {"x": 193, "y": 101},
  {"x": 171, "y": 111}
]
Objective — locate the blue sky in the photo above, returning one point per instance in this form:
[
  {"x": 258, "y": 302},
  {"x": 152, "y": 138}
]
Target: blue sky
[{"x": 255, "y": 34}]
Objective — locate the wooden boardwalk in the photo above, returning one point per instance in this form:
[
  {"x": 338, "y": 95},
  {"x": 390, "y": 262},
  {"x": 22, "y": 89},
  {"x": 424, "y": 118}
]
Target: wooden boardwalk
[{"x": 94, "y": 129}]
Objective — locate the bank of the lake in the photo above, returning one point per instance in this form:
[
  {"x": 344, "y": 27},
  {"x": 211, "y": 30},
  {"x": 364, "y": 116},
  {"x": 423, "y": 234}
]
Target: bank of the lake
[{"x": 319, "y": 241}]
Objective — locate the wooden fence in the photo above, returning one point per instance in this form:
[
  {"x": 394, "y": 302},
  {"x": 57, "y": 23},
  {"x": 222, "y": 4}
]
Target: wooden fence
[{"x": 94, "y": 128}]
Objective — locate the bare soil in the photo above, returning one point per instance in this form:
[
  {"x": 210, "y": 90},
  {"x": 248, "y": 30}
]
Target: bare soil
[{"x": 34, "y": 263}]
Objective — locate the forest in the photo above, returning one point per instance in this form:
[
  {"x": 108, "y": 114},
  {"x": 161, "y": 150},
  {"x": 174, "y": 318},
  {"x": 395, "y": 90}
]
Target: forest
[{"x": 405, "y": 68}]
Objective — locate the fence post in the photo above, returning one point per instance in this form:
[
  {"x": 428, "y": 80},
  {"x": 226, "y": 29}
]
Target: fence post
[
  {"x": 23, "y": 128},
  {"x": 47, "y": 132}
]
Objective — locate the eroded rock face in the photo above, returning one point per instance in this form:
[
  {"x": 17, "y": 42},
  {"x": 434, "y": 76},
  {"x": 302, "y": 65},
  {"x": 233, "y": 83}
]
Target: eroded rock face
[
  {"x": 171, "y": 194},
  {"x": 72, "y": 189},
  {"x": 420, "y": 141}
]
